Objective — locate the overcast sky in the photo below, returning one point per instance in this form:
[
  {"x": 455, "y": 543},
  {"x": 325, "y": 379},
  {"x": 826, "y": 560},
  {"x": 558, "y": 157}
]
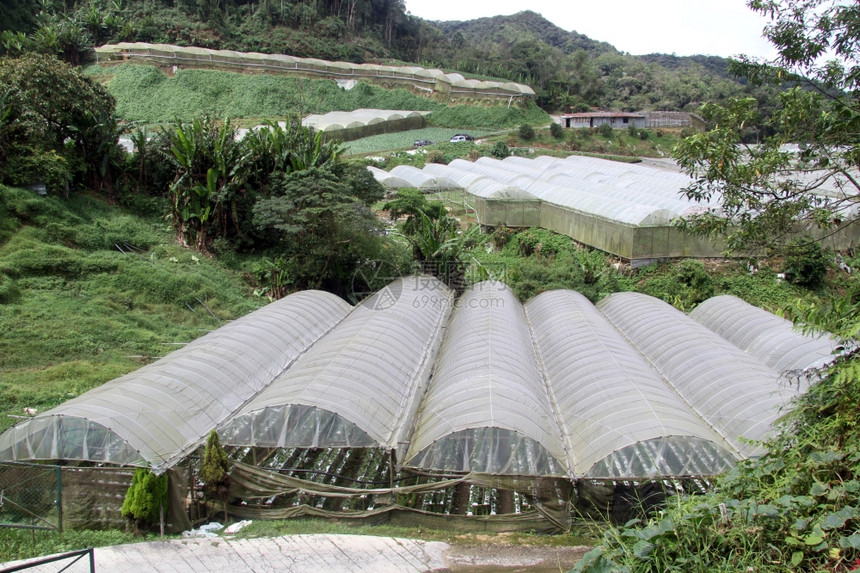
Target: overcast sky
[{"x": 683, "y": 27}]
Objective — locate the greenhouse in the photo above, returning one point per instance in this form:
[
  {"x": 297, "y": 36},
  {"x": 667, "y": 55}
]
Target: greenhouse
[
  {"x": 417, "y": 401},
  {"x": 625, "y": 209},
  {"x": 425, "y": 80},
  {"x": 351, "y": 125}
]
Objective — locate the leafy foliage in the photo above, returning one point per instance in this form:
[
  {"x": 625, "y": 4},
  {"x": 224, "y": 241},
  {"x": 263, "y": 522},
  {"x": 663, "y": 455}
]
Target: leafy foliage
[
  {"x": 770, "y": 189},
  {"x": 117, "y": 276},
  {"x": 795, "y": 505},
  {"x": 214, "y": 471},
  {"x": 56, "y": 125},
  {"x": 439, "y": 245},
  {"x": 526, "y": 132},
  {"x": 806, "y": 262},
  {"x": 146, "y": 498}
]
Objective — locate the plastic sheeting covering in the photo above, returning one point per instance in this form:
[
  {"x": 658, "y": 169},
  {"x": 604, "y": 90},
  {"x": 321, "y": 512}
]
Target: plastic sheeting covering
[
  {"x": 630, "y": 389},
  {"x": 732, "y": 391},
  {"x": 766, "y": 336},
  {"x": 156, "y": 415},
  {"x": 361, "y": 380},
  {"x": 619, "y": 417},
  {"x": 486, "y": 408}
]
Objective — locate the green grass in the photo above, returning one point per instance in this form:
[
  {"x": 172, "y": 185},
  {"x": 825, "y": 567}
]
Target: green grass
[
  {"x": 23, "y": 544},
  {"x": 146, "y": 94},
  {"x": 577, "y": 537},
  {"x": 405, "y": 140},
  {"x": 77, "y": 311}
]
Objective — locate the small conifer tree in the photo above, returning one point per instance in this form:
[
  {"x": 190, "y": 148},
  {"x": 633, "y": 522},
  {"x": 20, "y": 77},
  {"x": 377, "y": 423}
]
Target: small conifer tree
[
  {"x": 145, "y": 499},
  {"x": 214, "y": 471}
]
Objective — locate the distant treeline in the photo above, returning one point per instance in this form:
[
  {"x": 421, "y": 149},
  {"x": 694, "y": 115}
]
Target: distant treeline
[{"x": 569, "y": 71}]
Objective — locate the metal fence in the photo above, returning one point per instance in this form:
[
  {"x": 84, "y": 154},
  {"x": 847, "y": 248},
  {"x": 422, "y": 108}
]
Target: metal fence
[
  {"x": 75, "y": 556},
  {"x": 31, "y": 496},
  {"x": 43, "y": 496}
]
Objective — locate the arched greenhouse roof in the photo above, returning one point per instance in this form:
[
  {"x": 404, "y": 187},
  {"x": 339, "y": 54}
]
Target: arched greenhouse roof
[
  {"x": 388, "y": 180},
  {"x": 629, "y": 389},
  {"x": 486, "y": 408},
  {"x": 770, "y": 338},
  {"x": 420, "y": 179},
  {"x": 619, "y": 417},
  {"x": 159, "y": 413},
  {"x": 361, "y": 380},
  {"x": 732, "y": 391}
]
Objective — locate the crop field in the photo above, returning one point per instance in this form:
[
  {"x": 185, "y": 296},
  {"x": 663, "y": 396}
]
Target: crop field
[{"x": 406, "y": 139}]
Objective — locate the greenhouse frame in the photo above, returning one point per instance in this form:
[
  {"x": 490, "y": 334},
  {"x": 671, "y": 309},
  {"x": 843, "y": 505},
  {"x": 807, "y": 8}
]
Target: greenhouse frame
[
  {"x": 418, "y": 403},
  {"x": 628, "y": 210},
  {"x": 414, "y": 77}
]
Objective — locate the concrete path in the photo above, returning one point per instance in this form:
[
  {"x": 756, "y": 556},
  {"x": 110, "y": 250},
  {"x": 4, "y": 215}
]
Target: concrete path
[{"x": 293, "y": 553}]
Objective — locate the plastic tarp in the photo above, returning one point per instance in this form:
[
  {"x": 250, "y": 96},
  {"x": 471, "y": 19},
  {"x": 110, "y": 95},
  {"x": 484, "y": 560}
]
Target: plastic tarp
[
  {"x": 630, "y": 389},
  {"x": 486, "y": 408},
  {"x": 387, "y": 180},
  {"x": 732, "y": 391},
  {"x": 159, "y": 413},
  {"x": 772, "y": 339},
  {"x": 420, "y": 179},
  {"x": 618, "y": 415},
  {"x": 361, "y": 381}
]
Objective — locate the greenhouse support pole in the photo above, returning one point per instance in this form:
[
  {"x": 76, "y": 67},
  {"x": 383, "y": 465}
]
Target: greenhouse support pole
[
  {"x": 59, "y": 499},
  {"x": 161, "y": 518}
]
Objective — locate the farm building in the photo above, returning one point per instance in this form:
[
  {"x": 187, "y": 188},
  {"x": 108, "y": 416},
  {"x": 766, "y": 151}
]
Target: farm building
[
  {"x": 418, "y": 405},
  {"x": 614, "y": 119},
  {"x": 624, "y": 209}
]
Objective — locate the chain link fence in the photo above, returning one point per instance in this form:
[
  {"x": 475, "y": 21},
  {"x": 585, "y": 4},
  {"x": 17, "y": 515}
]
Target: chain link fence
[{"x": 31, "y": 496}]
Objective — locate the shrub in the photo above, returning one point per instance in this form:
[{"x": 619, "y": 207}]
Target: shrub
[
  {"x": 527, "y": 132},
  {"x": 214, "y": 471},
  {"x": 806, "y": 262},
  {"x": 8, "y": 291},
  {"x": 605, "y": 130},
  {"x": 500, "y": 150},
  {"x": 145, "y": 499},
  {"x": 435, "y": 156},
  {"x": 556, "y": 130}
]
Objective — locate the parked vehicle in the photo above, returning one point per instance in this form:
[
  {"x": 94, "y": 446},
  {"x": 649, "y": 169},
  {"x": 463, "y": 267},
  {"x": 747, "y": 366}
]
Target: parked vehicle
[
  {"x": 422, "y": 143},
  {"x": 462, "y": 137}
]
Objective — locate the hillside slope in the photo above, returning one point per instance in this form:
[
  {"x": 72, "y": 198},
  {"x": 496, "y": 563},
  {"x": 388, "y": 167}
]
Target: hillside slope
[{"x": 567, "y": 69}]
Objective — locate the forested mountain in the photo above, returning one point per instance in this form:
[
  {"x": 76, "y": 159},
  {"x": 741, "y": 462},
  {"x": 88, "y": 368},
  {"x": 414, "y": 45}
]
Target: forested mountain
[{"x": 568, "y": 70}]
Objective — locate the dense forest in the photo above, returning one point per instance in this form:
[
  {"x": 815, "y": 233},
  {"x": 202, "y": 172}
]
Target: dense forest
[{"x": 568, "y": 70}]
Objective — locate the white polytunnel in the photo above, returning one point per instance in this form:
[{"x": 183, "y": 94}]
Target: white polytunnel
[
  {"x": 619, "y": 417},
  {"x": 486, "y": 408},
  {"x": 629, "y": 389},
  {"x": 357, "y": 386},
  {"x": 159, "y": 413},
  {"x": 735, "y": 393},
  {"x": 770, "y": 338},
  {"x": 420, "y": 179}
]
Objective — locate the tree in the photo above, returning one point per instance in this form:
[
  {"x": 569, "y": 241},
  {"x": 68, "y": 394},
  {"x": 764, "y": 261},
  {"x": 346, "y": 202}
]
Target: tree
[
  {"x": 438, "y": 243},
  {"x": 320, "y": 227},
  {"x": 146, "y": 498},
  {"x": 214, "y": 472},
  {"x": 56, "y": 125},
  {"x": 770, "y": 172}
]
